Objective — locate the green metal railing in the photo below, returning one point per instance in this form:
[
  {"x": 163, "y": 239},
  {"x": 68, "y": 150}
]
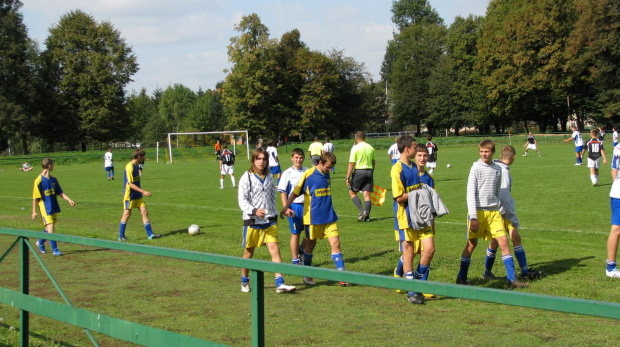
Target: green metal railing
[{"x": 149, "y": 336}]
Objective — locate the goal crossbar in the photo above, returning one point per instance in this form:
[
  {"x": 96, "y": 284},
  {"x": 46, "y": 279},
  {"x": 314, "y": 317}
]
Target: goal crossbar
[{"x": 210, "y": 133}]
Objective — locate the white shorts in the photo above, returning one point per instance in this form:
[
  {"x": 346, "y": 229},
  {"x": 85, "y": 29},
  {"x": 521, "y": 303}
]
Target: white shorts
[
  {"x": 227, "y": 170},
  {"x": 531, "y": 146},
  {"x": 431, "y": 164},
  {"x": 594, "y": 163}
]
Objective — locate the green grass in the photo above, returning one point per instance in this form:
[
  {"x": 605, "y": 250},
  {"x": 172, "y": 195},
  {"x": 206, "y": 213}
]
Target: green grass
[{"x": 565, "y": 223}]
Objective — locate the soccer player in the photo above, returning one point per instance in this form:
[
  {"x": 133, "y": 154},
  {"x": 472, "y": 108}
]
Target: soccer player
[
  {"x": 432, "y": 154},
  {"x": 315, "y": 151},
  {"x": 290, "y": 179},
  {"x": 508, "y": 211},
  {"x": 319, "y": 214},
  {"x": 614, "y": 137},
  {"x": 393, "y": 152},
  {"x": 133, "y": 196},
  {"x": 45, "y": 195},
  {"x": 595, "y": 150},
  {"x": 407, "y": 176},
  {"x": 576, "y": 137},
  {"x": 274, "y": 163},
  {"x": 328, "y": 147},
  {"x": 359, "y": 175},
  {"x": 108, "y": 164},
  {"x": 601, "y": 134},
  {"x": 484, "y": 218},
  {"x": 257, "y": 200},
  {"x": 530, "y": 143},
  {"x": 227, "y": 166},
  {"x": 218, "y": 150},
  {"x": 614, "y": 235}
]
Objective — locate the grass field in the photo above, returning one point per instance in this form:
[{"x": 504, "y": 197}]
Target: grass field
[{"x": 565, "y": 226}]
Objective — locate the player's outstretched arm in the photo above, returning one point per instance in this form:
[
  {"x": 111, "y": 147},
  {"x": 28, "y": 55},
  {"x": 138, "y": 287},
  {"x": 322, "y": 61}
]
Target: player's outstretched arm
[{"x": 71, "y": 202}]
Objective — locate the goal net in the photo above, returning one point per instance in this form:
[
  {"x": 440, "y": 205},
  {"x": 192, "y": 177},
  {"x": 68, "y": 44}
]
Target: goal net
[{"x": 202, "y": 144}]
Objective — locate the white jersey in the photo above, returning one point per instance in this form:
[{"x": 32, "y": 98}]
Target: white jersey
[
  {"x": 328, "y": 147},
  {"x": 614, "y": 136},
  {"x": 393, "y": 152},
  {"x": 615, "y": 188},
  {"x": 289, "y": 180},
  {"x": 577, "y": 138},
  {"x": 107, "y": 159},
  {"x": 273, "y": 154},
  {"x": 508, "y": 207}
]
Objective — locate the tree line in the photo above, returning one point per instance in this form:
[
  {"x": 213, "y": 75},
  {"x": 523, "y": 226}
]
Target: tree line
[{"x": 523, "y": 64}]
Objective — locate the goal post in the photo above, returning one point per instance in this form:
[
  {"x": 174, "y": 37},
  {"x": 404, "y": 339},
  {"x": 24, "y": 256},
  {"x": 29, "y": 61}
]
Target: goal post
[{"x": 231, "y": 133}]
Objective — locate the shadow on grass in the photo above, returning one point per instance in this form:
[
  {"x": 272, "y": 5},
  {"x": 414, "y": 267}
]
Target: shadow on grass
[{"x": 50, "y": 341}]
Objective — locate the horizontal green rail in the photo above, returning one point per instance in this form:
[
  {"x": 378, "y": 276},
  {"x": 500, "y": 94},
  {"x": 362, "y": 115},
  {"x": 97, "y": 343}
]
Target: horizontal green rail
[{"x": 130, "y": 331}]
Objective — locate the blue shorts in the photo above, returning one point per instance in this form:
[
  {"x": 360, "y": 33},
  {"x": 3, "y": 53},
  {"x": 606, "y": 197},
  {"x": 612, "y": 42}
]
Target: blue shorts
[
  {"x": 615, "y": 165},
  {"x": 296, "y": 223},
  {"x": 578, "y": 149},
  {"x": 109, "y": 168},
  {"x": 615, "y": 211},
  {"x": 275, "y": 170}
]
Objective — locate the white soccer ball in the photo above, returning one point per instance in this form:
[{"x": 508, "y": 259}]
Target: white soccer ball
[
  {"x": 448, "y": 166},
  {"x": 193, "y": 229}
]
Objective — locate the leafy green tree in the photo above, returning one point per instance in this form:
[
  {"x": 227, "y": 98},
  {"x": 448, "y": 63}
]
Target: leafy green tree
[
  {"x": 468, "y": 95},
  {"x": 141, "y": 108},
  {"x": 207, "y": 113},
  {"x": 175, "y": 107},
  {"x": 521, "y": 54},
  {"x": 440, "y": 105},
  {"x": 18, "y": 56},
  {"x": 594, "y": 53},
  {"x": 418, "y": 48},
  {"x": 249, "y": 87},
  {"x": 89, "y": 64},
  {"x": 408, "y": 12}
]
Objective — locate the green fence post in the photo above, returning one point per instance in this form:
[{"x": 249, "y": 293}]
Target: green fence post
[
  {"x": 24, "y": 326},
  {"x": 258, "y": 308}
]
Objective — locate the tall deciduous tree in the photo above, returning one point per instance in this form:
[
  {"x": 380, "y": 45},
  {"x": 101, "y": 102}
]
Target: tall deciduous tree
[
  {"x": 594, "y": 52},
  {"x": 89, "y": 64},
  {"x": 249, "y": 87},
  {"x": 175, "y": 107},
  {"x": 522, "y": 57},
  {"x": 418, "y": 48},
  {"x": 408, "y": 12},
  {"x": 17, "y": 76}
]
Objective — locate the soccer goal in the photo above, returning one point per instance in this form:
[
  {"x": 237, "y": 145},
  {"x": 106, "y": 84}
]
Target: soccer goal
[{"x": 206, "y": 140}]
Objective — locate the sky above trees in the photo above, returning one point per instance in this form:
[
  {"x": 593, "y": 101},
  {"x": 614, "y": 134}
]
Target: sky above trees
[{"x": 186, "y": 41}]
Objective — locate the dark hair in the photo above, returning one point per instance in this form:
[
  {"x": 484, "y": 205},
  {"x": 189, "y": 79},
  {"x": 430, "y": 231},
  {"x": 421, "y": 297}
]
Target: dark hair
[
  {"x": 507, "y": 152},
  {"x": 298, "y": 151},
  {"x": 225, "y": 145},
  {"x": 138, "y": 153},
  {"x": 47, "y": 162},
  {"x": 270, "y": 142},
  {"x": 255, "y": 154},
  {"x": 489, "y": 144},
  {"x": 360, "y": 135},
  {"x": 404, "y": 142},
  {"x": 420, "y": 147},
  {"x": 429, "y": 137},
  {"x": 328, "y": 157}
]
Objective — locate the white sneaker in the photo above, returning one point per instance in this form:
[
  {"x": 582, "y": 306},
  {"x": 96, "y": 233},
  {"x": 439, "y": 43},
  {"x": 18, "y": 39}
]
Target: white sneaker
[
  {"x": 245, "y": 287},
  {"x": 309, "y": 281},
  {"x": 615, "y": 273},
  {"x": 283, "y": 288}
]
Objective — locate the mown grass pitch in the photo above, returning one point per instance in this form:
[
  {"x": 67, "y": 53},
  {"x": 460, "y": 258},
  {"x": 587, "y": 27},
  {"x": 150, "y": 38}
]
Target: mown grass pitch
[{"x": 565, "y": 226}]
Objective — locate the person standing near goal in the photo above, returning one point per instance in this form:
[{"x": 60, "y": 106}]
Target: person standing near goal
[
  {"x": 432, "y": 149},
  {"x": 227, "y": 163},
  {"x": 531, "y": 143}
]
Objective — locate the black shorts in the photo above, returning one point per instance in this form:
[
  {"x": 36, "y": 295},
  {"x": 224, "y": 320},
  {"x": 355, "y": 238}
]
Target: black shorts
[{"x": 361, "y": 180}]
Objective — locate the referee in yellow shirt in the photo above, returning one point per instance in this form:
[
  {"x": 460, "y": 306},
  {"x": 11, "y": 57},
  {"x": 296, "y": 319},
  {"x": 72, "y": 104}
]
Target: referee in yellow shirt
[
  {"x": 315, "y": 150},
  {"x": 359, "y": 174}
]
